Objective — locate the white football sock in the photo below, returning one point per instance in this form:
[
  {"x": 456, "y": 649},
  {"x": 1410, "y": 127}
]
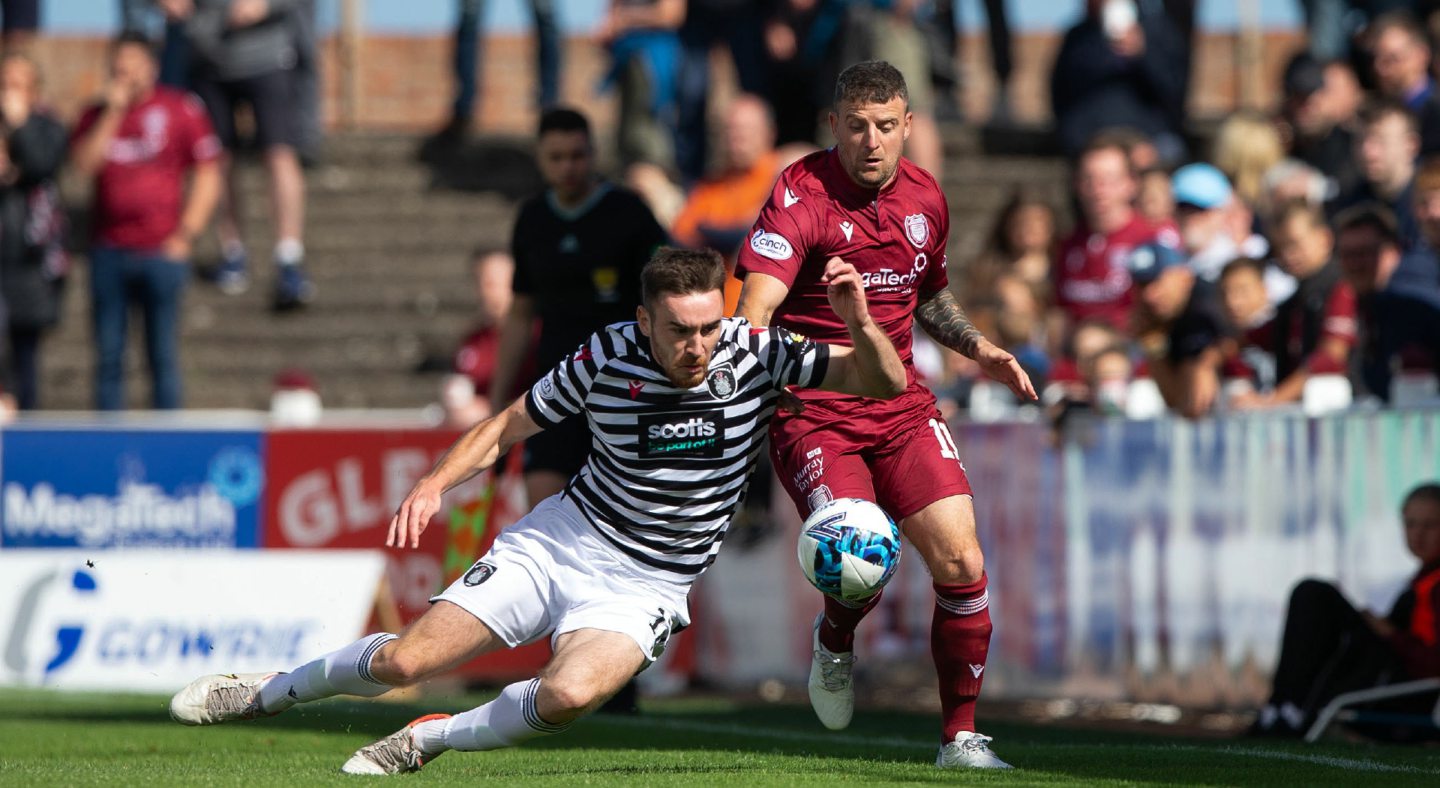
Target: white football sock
[
  {"x": 504, "y": 722},
  {"x": 342, "y": 672}
]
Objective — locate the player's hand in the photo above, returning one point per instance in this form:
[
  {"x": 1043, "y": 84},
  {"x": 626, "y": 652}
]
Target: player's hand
[
  {"x": 846, "y": 292},
  {"x": 414, "y": 515},
  {"x": 790, "y": 403},
  {"x": 1001, "y": 365}
]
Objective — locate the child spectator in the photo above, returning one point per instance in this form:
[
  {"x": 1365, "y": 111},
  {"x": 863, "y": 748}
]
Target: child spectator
[
  {"x": 1156, "y": 203},
  {"x": 1249, "y": 367}
]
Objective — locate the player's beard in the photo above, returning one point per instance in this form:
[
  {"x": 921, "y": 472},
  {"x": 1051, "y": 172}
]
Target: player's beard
[{"x": 682, "y": 378}]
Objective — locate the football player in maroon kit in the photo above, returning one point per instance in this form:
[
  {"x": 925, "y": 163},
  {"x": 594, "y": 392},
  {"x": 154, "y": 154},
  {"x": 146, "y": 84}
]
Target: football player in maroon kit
[{"x": 862, "y": 202}]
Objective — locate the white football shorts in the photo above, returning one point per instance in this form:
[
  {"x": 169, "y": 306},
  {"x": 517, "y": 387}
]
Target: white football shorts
[{"x": 551, "y": 572}]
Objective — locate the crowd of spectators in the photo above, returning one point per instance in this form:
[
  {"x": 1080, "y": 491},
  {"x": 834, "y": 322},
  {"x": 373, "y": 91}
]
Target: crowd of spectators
[
  {"x": 1288, "y": 262},
  {"x": 1293, "y": 248}
]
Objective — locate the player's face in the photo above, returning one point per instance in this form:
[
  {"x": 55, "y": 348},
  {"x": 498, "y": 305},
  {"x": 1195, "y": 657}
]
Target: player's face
[
  {"x": 567, "y": 162},
  {"x": 683, "y": 331},
  {"x": 870, "y": 139},
  {"x": 1422, "y": 528}
]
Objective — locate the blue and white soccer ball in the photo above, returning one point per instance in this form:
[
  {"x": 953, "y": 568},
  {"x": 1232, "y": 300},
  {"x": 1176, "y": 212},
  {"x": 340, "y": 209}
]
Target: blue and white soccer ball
[{"x": 849, "y": 548}]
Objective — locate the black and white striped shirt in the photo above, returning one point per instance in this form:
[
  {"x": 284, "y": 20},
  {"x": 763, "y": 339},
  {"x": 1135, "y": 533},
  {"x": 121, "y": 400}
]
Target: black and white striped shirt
[{"x": 668, "y": 467}]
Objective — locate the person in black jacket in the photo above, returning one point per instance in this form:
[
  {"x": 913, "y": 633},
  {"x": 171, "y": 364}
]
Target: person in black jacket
[
  {"x": 1120, "y": 67},
  {"x": 1329, "y": 647},
  {"x": 32, "y": 261}
]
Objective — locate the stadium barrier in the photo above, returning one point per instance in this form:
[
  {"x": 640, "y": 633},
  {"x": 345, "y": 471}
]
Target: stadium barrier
[
  {"x": 151, "y": 619},
  {"x": 1148, "y": 560}
]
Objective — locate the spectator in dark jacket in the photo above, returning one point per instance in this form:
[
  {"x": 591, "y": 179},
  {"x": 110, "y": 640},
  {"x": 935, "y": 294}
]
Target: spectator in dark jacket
[
  {"x": 32, "y": 261},
  {"x": 1120, "y": 67},
  {"x": 1398, "y": 301},
  {"x": 1401, "y": 60},
  {"x": 1329, "y": 647},
  {"x": 1387, "y": 146},
  {"x": 1314, "y": 122}
]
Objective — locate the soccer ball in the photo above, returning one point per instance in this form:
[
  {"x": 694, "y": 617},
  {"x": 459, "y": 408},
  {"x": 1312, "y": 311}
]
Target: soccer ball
[{"x": 849, "y": 549}]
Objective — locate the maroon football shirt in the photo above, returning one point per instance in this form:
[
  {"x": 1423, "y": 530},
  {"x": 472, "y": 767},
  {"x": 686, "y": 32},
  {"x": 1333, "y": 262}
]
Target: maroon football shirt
[{"x": 895, "y": 237}]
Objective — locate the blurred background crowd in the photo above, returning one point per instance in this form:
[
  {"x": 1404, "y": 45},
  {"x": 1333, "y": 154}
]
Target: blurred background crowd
[{"x": 1279, "y": 256}]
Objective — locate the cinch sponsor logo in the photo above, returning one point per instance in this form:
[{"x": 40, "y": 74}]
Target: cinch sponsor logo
[
  {"x": 771, "y": 245},
  {"x": 138, "y": 514}
]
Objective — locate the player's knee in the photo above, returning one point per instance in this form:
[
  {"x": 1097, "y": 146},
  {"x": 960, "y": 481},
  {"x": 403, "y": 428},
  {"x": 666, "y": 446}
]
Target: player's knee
[
  {"x": 966, "y": 565},
  {"x": 399, "y": 666},
  {"x": 568, "y": 698}
]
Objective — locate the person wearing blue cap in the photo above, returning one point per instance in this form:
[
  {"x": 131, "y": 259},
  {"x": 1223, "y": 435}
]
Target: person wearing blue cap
[
  {"x": 1215, "y": 228},
  {"x": 1179, "y": 326}
]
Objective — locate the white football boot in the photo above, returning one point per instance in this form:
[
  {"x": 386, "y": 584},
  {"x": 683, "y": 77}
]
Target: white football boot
[
  {"x": 969, "y": 751},
  {"x": 219, "y": 698},
  {"x": 394, "y": 754},
  {"x": 832, "y": 693}
]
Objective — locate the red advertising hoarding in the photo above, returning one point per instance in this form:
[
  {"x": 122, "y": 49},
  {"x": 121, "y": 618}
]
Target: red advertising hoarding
[{"x": 339, "y": 488}]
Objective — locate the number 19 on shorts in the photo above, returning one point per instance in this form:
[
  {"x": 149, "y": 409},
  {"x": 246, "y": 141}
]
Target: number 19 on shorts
[{"x": 947, "y": 443}]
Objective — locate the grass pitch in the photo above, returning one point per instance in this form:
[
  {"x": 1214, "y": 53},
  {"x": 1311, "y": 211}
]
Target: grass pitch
[{"x": 50, "y": 738}]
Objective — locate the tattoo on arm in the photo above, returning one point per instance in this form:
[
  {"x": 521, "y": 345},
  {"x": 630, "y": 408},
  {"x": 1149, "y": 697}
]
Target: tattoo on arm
[{"x": 944, "y": 320}]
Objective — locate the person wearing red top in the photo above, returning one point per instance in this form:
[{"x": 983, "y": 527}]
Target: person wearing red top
[
  {"x": 139, "y": 143},
  {"x": 1329, "y": 647},
  {"x": 1314, "y": 330},
  {"x": 1091, "y": 278},
  {"x": 862, "y": 203}
]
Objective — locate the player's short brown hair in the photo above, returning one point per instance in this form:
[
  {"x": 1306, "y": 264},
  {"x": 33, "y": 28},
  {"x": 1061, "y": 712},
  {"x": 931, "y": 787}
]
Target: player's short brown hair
[
  {"x": 870, "y": 82},
  {"x": 674, "y": 271}
]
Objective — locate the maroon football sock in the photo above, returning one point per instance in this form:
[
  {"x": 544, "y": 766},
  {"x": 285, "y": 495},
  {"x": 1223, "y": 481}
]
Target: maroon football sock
[
  {"x": 837, "y": 628},
  {"x": 959, "y": 642}
]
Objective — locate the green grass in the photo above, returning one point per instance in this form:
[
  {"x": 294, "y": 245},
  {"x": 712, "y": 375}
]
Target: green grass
[{"x": 67, "y": 739}]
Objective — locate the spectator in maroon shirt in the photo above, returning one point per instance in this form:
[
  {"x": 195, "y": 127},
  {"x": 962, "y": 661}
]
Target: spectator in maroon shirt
[
  {"x": 139, "y": 143},
  {"x": 474, "y": 362},
  {"x": 1091, "y": 281}
]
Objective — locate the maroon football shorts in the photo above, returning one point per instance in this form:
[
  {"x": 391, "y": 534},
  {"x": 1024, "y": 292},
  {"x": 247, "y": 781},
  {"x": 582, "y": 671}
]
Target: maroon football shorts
[{"x": 897, "y": 453}]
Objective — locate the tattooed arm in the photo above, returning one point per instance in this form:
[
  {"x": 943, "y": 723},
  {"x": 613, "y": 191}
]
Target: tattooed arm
[{"x": 943, "y": 319}]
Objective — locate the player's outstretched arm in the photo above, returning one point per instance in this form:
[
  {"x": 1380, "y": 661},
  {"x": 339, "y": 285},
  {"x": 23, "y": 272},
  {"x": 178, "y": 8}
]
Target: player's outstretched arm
[
  {"x": 472, "y": 453},
  {"x": 871, "y": 368},
  {"x": 943, "y": 319},
  {"x": 760, "y": 296}
]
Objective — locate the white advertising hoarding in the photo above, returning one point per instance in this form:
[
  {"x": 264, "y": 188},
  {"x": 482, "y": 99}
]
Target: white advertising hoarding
[{"x": 153, "y": 620}]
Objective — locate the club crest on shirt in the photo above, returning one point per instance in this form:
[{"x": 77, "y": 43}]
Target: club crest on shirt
[
  {"x": 917, "y": 230},
  {"x": 479, "y": 573},
  {"x": 721, "y": 382}
]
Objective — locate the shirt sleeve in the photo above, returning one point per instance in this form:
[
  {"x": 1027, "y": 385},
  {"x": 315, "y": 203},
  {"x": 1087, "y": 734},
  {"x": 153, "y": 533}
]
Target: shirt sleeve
[
  {"x": 200, "y": 143},
  {"x": 791, "y": 359},
  {"x": 561, "y": 392},
  {"x": 779, "y": 241}
]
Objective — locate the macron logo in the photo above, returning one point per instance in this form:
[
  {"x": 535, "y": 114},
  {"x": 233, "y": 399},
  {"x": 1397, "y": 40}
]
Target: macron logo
[
  {"x": 635, "y": 388},
  {"x": 790, "y": 198},
  {"x": 976, "y": 670},
  {"x": 847, "y": 228}
]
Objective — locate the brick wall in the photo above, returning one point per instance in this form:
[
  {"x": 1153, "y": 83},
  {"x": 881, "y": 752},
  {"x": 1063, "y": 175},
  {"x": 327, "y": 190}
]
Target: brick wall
[{"x": 404, "y": 83}]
